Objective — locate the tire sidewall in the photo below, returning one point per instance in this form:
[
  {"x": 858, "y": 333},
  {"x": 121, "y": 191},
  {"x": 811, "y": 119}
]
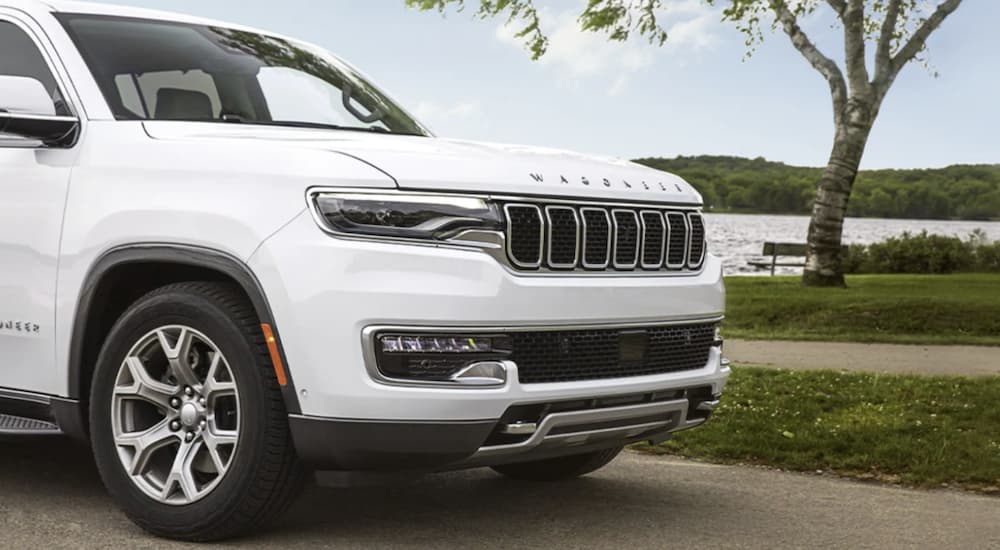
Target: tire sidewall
[{"x": 201, "y": 314}]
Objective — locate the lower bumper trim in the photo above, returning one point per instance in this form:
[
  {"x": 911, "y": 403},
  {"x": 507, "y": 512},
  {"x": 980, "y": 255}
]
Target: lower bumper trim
[
  {"x": 524, "y": 433},
  {"x": 366, "y": 445}
]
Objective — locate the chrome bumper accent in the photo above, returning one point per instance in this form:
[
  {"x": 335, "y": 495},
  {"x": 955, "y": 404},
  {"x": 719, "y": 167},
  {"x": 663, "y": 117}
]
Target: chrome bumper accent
[
  {"x": 585, "y": 427},
  {"x": 708, "y": 406}
]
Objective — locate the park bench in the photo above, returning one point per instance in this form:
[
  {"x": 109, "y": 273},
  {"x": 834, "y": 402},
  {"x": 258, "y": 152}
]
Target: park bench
[
  {"x": 774, "y": 250},
  {"x": 798, "y": 250}
]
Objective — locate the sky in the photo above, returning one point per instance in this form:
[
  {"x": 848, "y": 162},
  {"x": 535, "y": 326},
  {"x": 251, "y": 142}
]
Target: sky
[{"x": 697, "y": 95}]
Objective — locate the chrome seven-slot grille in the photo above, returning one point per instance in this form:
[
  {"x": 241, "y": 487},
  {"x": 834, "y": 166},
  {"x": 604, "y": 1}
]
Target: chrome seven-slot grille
[{"x": 564, "y": 237}]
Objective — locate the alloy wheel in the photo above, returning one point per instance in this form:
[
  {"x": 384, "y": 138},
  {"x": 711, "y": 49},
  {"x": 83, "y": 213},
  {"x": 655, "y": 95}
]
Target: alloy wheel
[{"x": 175, "y": 415}]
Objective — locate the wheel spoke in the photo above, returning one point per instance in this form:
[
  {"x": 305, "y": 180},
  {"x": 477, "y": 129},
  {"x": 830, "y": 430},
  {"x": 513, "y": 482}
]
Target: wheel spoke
[
  {"x": 177, "y": 355},
  {"x": 213, "y": 388},
  {"x": 180, "y": 472},
  {"x": 146, "y": 443},
  {"x": 144, "y": 386},
  {"x": 214, "y": 440}
]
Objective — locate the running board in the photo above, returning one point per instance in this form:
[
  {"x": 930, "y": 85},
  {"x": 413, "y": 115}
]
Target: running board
[{"x": 16, "y": 425}]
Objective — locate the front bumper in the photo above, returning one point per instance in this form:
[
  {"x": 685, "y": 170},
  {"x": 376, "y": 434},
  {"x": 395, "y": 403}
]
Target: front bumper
[
  {"x": 325, "y": 291},
  {"x": 353, "y": 445}
]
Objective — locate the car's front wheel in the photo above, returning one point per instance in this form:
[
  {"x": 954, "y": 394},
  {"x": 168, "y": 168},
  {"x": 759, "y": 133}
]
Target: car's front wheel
[{"x": 188, "y": 425}]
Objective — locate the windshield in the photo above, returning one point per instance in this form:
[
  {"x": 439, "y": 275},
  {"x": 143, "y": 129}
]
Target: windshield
[{"x": 160, "y": 70}]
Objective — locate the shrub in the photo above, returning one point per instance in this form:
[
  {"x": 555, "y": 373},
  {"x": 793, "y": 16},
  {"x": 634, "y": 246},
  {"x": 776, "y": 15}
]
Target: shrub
[
  {"x": 925, "y": 253},
  {"x": 988, "y": 257}
]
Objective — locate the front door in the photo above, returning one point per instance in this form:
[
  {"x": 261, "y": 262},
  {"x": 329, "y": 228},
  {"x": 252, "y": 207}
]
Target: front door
[{"x": 34, "y": 181}]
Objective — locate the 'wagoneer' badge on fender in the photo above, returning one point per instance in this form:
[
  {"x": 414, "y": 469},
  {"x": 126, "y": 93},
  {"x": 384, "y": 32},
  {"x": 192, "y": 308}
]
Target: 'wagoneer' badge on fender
[{"x": 10, "y": 327}]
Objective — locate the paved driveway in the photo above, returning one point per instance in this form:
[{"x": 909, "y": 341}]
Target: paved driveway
[
  {"x": 51, "y": 497},
  {"x": 885, "y": 358}
]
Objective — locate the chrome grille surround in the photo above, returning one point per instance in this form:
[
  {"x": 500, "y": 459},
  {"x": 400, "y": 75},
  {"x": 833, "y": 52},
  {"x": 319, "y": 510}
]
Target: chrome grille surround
[
  {"x": 697, "y": 250},
  {"x": 659, "y": 240},
  {"x": 619, "y": 217},
  {"x": 550, "y": 231},
  {"x": 511, "y": 221},
  {"x": 677, "y": 222},
  {"x": 648, "y": 218},
  {"x": 585, "y": 213}
]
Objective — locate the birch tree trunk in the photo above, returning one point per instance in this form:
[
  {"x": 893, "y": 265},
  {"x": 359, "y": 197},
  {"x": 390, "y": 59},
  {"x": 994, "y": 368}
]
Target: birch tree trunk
[{"x": 824, "y": 264}]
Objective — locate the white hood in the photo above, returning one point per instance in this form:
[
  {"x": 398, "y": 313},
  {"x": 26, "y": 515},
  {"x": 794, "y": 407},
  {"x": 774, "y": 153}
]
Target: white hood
[{"x": 420, "y": 163}]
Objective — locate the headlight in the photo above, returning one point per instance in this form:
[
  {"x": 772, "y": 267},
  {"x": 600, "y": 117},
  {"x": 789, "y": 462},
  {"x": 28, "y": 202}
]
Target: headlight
[{"x": 429, "y": 217}]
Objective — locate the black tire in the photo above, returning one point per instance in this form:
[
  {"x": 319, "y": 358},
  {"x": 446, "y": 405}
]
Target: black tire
[
  {"x": 264, "y": 474},
  {"x": 561, "y": 468}
]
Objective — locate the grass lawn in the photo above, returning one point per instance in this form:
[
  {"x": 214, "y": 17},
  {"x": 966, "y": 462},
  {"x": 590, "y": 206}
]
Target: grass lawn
[
  {"x": 911, "y": 309},
  {"x": 921, "y": 431}
]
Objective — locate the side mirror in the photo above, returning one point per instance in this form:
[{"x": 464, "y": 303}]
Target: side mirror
[{"x": 27, "y": 110}]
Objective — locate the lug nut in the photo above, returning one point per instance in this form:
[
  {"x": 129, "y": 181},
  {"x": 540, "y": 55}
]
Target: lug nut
[
  {"x": 202, "y": 402},
  {"x": 202, "y": 424},
  {"x": 189, "y": 391},
  {"x": 175, "y": 426},
  {"x": 175, "y": 403},
  {"x": 189, "y": 437}
]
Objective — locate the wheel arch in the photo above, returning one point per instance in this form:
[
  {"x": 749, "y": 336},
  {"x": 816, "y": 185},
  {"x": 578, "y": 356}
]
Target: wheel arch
[{"x": 102, "y": 301}]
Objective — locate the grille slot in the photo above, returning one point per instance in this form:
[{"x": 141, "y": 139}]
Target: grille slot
[
  {"x": 697, "y": 248},
  {"x": 626, "y": 225},
  {"x": 677, "y": 239},
  {"x": 564, "y": 235},
  {"x": 573, "y": 355},
  {"x": 524, "y": 235},
  {"x": 654, "y": 239},
  {"x": 596, "y": 238}
]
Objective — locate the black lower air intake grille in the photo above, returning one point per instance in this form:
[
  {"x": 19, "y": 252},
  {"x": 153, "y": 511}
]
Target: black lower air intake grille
[
  {"x": 572, "y": 355},
  {"x": 590, "y": 237}
]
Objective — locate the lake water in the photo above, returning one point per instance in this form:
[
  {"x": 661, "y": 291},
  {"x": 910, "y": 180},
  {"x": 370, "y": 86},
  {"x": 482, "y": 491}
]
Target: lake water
[{"x": 738, "y": 238}]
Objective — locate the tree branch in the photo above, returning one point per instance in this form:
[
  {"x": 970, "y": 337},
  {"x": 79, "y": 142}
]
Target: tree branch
[
  {"x": 919, "y": 38},
  {"x": 883, "y": 52},
  {"x": 826, "y": 66},
  {"x": 839, "y": 6},
  {"x": 854, "y": 43}
]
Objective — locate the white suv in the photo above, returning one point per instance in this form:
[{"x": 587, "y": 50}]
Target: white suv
[{"x": 226, "y": 259}]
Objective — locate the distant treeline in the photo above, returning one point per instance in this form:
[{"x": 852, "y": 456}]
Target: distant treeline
[{"x": 734, "y": 184}]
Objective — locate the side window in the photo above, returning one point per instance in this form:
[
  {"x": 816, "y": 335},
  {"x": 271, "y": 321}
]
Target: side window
[
  {"x": 169, "y": 95},
  {"x": 19, "y": 56}
]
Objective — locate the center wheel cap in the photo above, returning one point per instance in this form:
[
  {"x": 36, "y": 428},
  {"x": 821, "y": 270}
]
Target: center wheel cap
[{"x": 189, "y": 415}]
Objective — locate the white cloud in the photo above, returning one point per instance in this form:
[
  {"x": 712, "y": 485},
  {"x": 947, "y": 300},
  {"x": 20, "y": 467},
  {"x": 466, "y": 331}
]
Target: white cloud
[{"x": 579, "y": 56}]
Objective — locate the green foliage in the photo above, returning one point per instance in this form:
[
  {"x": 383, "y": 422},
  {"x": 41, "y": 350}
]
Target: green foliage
[
  {"x": 521, "y": 12},
  {"x": 751, "y": 16},
  {"x": 922, "y": 431},
  {"x": 924, "y": 253},
  {"x": 733, "y": 184},
  {"x": 619, "y": 19},
  {"x": 906, "y": 309},
  {"x": 616, "y": 18}
]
